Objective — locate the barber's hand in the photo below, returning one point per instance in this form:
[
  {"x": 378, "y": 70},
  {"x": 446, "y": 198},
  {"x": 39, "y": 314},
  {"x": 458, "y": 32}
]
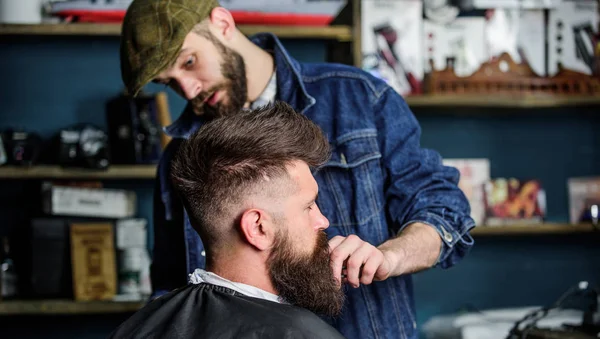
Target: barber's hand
[{"x": 359, "y": 261}]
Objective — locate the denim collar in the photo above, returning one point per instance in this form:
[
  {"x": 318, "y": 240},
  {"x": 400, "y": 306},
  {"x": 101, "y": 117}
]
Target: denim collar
[{"x": 290, "y": 87}]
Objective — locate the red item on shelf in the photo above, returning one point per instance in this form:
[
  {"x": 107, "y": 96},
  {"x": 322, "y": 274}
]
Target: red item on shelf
[{"x": 240, "y": 17}]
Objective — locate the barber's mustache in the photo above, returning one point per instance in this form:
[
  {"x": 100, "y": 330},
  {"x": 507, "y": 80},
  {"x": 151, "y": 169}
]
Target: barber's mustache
[{"x": 203, "y": 96}]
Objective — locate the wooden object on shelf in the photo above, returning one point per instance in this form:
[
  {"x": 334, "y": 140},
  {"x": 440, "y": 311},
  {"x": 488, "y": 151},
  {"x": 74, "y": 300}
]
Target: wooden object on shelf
[
  {"x": 93, "y": 261},
  {"x": 504, "y": 76},
  {"x": 164, "y": 117},
  {"x": 336, "y": 32},
  {"x": 60, "y": 306},
  {"x": 357, "y": 33},
  {"x": 500, "y": 100},
  {"x": 534, "y": 229},
  {"x": 57, "y": 172}
]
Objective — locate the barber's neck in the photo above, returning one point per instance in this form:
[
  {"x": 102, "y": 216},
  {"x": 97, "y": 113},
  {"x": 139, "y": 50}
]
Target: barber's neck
[
  {"x": 250, "y": 270},
  {"x": 259, "y": 65}
]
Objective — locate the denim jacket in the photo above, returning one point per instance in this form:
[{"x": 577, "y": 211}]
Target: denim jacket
[{"x": 377, "y": 181}]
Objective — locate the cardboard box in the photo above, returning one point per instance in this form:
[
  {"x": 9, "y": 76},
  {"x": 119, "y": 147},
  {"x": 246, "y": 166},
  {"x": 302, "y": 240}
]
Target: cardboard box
[
  {"x": 512, "y": 201},
  {"x": 520, "y": 33},
  {"x": 522, "y": 4},
  {"x": 131, "y": 233},
  {"x": 88, "y": 202},
  {"x": 469, "y": 40},
  {"x": 391, "y": 42},
  {"x": 93, "y": 261},
  {"x": 584, "y": 192},
  {"x": 460, "y": 41},
  {"x": 474, "y": 173},
  {"x": 572, "y": 30},
  {"x": 50, "y": 249}
]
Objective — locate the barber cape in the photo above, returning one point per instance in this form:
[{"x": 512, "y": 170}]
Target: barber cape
[{"x": 213, "y": 307}]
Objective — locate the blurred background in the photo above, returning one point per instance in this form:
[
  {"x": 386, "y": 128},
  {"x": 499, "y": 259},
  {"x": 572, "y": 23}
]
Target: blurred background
[{"x": 508, "y": 91}]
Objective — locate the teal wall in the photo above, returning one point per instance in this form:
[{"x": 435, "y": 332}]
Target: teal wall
[{"x": 52, "y": 82}]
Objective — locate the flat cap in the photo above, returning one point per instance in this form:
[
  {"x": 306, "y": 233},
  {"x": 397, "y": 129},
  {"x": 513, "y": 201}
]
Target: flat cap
[{"x": 152, "y": 34}]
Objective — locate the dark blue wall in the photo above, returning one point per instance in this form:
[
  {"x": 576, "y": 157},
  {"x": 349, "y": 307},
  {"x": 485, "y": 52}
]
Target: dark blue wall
[{"x": 52, "y": 82}]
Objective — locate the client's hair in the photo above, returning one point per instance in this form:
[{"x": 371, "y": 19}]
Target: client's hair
[{"x": 230, "y": 157}]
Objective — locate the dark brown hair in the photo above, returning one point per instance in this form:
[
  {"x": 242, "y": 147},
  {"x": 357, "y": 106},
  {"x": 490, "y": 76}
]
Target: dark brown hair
[{"x": 228, "y": 157}]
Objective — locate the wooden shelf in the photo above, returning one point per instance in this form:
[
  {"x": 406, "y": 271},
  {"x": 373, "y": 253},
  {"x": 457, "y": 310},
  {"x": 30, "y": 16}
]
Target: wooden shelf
[
  {"x": 56, "y": 172},
  {"x": 484, "y": 100},
  {"x": 534, "y": 229},
  {"x": 25, "y": 307},
  {"x": 339, "y": 32}
]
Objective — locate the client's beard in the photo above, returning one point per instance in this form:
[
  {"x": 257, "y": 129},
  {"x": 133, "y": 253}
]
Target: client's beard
[{"x": 306, "y": 280}]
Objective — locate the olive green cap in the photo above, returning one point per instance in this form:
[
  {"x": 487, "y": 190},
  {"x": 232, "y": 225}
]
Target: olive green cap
[{"x": 152, "y": 34}]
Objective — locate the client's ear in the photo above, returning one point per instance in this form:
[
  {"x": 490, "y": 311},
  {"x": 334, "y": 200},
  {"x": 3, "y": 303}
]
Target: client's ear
[{"x": 257, "y": 229}]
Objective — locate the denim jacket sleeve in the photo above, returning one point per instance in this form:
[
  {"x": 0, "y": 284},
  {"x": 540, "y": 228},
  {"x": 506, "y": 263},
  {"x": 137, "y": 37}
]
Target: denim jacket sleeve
[
  {"x": 168, "y": 268},
  {"x": 420, "y": 188}
]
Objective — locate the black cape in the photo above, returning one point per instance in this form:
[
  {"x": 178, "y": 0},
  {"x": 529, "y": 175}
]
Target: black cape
[{"x": 210, "y": 311}]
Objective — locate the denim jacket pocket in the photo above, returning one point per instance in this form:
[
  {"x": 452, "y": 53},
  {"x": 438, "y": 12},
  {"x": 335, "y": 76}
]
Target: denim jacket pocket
[{"x": 351, "y": 184}]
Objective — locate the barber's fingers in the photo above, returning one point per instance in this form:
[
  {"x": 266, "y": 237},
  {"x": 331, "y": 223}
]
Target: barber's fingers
[
  {"x": 350, "y": 257},
  {"x": 363, "y": 255},
  {"x": 373, "y": 265},
  {"x": 340, "y": 249},
  {"x": 335, "y": 241}
]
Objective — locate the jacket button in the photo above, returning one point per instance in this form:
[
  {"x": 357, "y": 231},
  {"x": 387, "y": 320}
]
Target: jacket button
[
  {"x": 447, "y": 235},
  {"x": 203, "y": 253}
]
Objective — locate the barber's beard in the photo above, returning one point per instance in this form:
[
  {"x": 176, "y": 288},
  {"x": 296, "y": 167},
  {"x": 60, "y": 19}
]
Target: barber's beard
[
  {"x": 235, "y": 86},
  {"x": 306, "y": 280}
]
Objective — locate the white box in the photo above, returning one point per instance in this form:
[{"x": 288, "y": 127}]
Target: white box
[
  {"x": 566, "y": 36},
  {"x": 516, "y": 31},
  {"x": 462, "y": 39},
  {"x": 89, "y": 202},
  {"x": 474, "y": 40},
  {"x": 474, "y": 173},
  {"x": 391, "y": 42},
  {"x": 583, "y": 192},
  {"x": 131, "y": 233},
  {"x": 532, "y": 39},
  {"x": 522, "y": 4}
]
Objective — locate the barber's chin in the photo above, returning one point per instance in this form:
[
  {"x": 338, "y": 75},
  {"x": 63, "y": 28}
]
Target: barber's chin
[{"x": 214, "y": 99}]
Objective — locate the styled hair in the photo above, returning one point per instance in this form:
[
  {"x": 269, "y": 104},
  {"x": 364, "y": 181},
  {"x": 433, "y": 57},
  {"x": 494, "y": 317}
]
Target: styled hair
[{"x": 233, "y": 156}]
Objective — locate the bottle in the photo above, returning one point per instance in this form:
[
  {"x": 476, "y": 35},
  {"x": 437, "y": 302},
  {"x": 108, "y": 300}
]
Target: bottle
[{"x": 8, "y": 275}]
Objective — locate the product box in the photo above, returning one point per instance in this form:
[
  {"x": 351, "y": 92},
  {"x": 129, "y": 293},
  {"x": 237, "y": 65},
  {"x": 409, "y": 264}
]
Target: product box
[
  {"x": 93, "y": 261},
  {"x": 474, "y": 173},
  {"x": 133, "y": 259},
  {"x": 511, "y": 201},
  {"x": 520, "y": 33},
  {"x": 460, "y": 41},
  {"x": 475, "y": 37},
  {"x": 522, "y": 4},
  {"x": 572, "y": 36},
  {"x": 391, "y": 42},
  {"x": 131, "y": 232},
  {"x": 584, "y": 193},
  {"x": 50, "y": 248},
  {"x": 88, "y": 202}
]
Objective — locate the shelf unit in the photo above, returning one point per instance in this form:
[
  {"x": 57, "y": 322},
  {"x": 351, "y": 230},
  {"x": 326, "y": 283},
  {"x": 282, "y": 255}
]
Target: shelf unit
[
  {"x": 534, "y": 229},
  {"x": 504, "y": 101},
  {"x": 57, "y": 172},
  {"x": 337, "y": 32},
  {"x": 341, "y": 33},
  {"x": 148, "y": 172},
  {"x": 56, "y": 307}
]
